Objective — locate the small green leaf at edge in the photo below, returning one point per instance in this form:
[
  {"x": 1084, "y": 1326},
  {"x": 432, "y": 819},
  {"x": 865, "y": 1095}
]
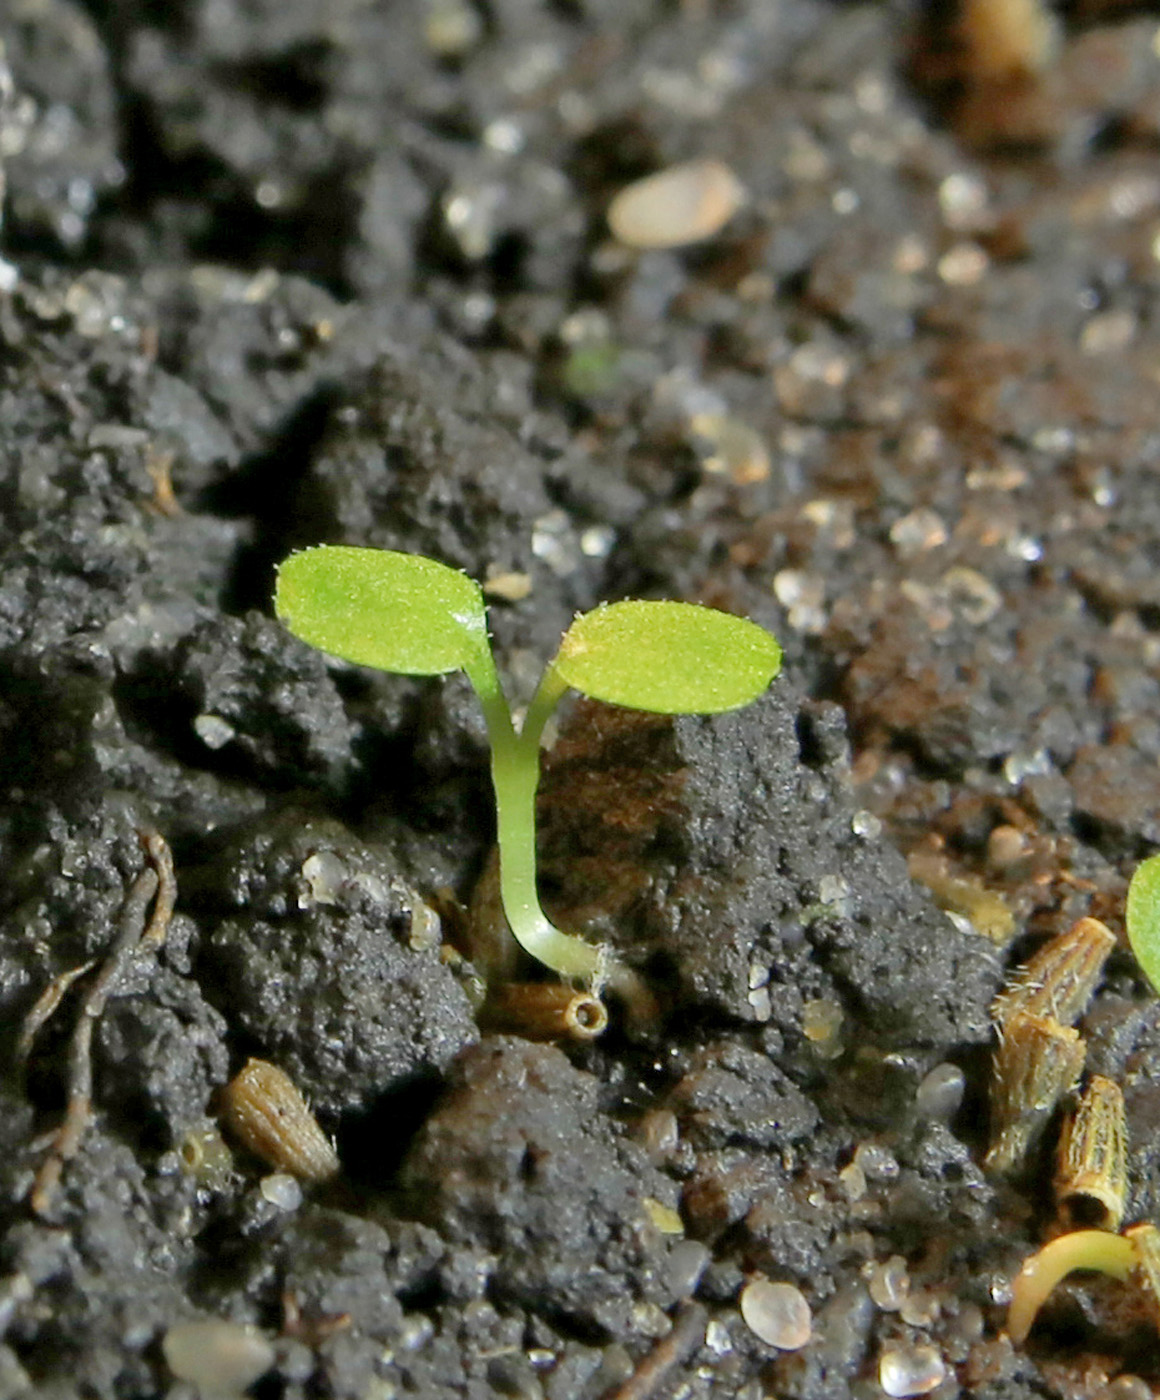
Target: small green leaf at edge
[
  {"x": 379, "y": 607},
  {"x": 1142, "y": 916},
  {"x": 669, "y": 658}
]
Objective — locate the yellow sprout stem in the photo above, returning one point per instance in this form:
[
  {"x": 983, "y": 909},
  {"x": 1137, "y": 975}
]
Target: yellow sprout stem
[{"x": 1082, "y": 1249}]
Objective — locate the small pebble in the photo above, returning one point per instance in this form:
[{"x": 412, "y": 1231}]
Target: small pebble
[
  {"x": 281, "y": 1190},
  {"x": 877, "y": 1162},
  {"x": 761, "y": 1002},
  {"x": 940, "y": 1093},
  {"x": 975, "y": 598},
  {"x": 963, "y": 200},
  {"x": 963, "y": 265},
  {"x": 664, "y": 1218},
  {"x": 684, "y": 204},
  {"x": 853, "y": 1181},
  {"x": 415, "y": 1333},
  {"x": 922, "y": 1308},
  {"x": 917, "y": 532},
  {"x": 1108, "y": 333},
  {"x": 730, "y": 447},
  {"x": 833, "y": 890},
  {"x": 451, "y": 28},
  {"x": 220, "y": 1358},
  {"x": 717, "y": 1338},
  {"x": 324, "y": 874},
  {"x": 213, "y": 731},
  {"x": 687, "y": 1261},
  {"x": 512, "y": 1375},
  {"x": 658, "y": 1132},
  {"x": 777, "y": 1313},
  {"x": 907, "y": 1370},
  {"x": 1005, "y": 845},
  {"x": 822, "y": 1026},
  {"x": 803, "y": 595},
  {"x": 510, "y": 585},
  {"x": 889, "y": 1283},
  {"x": 1129, "y": 1387},
  {"x": 651, "y": 1320}
]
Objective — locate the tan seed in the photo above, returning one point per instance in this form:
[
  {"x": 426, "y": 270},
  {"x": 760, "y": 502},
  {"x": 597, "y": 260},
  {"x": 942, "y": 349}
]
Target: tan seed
[{"x": 268, "y": 1115}]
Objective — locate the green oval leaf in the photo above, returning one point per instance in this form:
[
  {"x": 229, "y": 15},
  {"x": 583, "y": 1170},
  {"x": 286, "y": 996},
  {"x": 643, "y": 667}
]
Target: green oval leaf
[
  {"x": 376, "y": 607},
  {"x": 1142, "y": 916},
  {"x": 671, "y": 658}
]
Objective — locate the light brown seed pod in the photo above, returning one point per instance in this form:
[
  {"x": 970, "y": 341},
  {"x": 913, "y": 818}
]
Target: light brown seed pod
[
  {"x": 1038, "y": 1061},
  {"x": 1059, "y": 979},
  {"x": 1091, "y": 1181},
  {"x": 544, "y": 1011},
  {"x": 268, "y": 1115}
]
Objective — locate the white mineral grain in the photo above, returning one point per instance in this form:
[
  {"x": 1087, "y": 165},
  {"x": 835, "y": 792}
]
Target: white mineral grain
[
  {"x": 878, "y": 1162},
  {"x": 687, "y": 203},
  {"x": 324, "y": 873},
  {"x": 281, "y": 1190},
  {"x": 920, "y": 530},
  {"x": 889, "y": 1283},
  {"x": 940, "y": 1093},
  {"x": 777, "y": 1313},
  {"x": 220, "y": 1358},
  {"x": 213, "y": 731},
  {"x": 910, "y": 1370}
]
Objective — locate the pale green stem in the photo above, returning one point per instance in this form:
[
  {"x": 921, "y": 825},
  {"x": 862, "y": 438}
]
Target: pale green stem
[{"x": 515, "y": 774}]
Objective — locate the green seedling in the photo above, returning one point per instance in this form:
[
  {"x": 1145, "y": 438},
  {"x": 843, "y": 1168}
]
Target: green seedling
[
  {"x": 414, "y": 616},
  {"x": 1142, "y": 917}
]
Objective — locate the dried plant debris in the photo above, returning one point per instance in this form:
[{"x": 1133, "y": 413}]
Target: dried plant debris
[
  {"x": 544, "y": 1011},
  {"x": 1037, "y": 1062},
  {"x": 962, "y": 895},
  {"x": 1040, "y": 1055},
  {"x": 141, "y": 933},
  {"x": 1059, "y": 979},
  {"x": 1091, "y": 1178}
]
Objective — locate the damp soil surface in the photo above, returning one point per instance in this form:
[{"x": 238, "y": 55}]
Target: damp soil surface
[{"x": 291, "y": 272}]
